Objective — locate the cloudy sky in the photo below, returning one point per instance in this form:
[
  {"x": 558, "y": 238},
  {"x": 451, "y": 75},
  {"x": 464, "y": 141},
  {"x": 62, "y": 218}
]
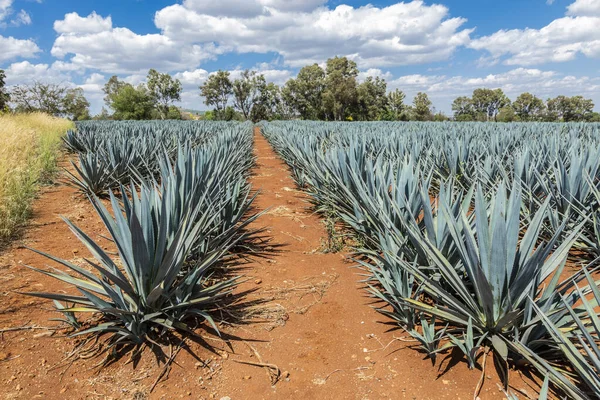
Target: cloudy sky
[{"x": 446, "y": 48}]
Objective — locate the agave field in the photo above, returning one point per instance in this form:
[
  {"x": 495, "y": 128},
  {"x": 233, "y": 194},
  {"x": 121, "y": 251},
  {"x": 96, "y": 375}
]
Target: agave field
[
  {"x": 478, "y": 237},
  {"x": 176, "y": 205},
  {"x": 475, "y": 239}
]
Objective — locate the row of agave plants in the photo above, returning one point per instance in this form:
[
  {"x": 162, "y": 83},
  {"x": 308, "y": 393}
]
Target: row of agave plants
[
  {"x": 176, "y": 205},
  {"x": 465, "y": 231}
]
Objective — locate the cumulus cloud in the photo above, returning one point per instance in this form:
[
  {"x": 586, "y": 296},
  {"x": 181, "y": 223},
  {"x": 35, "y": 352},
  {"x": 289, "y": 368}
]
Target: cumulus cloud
[
  {"x": 584, "y": 8},
  {"x": 11, "y": 48},
  {"x": 191, "y": 80},
  {"x": 400, "y": 34},
  {"x": 5, "y": 9},
  {"x": 559, "y": 41},
  {"x": 25, "y": 72},
  {"x": 93, "y": 43},
  {"x": 374, "y": 72},
  {"x": 74, "y": 24}
]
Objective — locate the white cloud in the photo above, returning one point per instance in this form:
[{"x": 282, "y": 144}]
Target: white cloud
[
  {"x": 25, "y": 72},
  {"x": 374, "y": 72},
  {"x": 584, "y": 8},
  {"x": 5, "y": 9},
  {"x": 11, "y": 48},
  {"x": 400, "y": 34},
  {"x": 191, "y": 80},
  {"x": 559, "y": 41},
  {"x": 231, "y": 8},
  {"x": 95, "y": 44},
  {"x": 22, "y": 18},
  {"x": 73, "y": 24}
]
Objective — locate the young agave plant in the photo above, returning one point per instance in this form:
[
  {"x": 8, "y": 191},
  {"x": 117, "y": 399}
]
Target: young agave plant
[
  {"x": 496, "y": 274},
  {"x": 94, "y": 176},
  {"x": 151, "y": 289},
  {"x": 429, "y": 338},
  {"x": 467, "y": 344}
]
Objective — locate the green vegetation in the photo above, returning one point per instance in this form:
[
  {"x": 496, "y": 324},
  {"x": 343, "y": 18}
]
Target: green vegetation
[
  {"x": 183, "y": 206},
  {"x": 465, "y": 231},
  {"x": 29, "y": 149}
]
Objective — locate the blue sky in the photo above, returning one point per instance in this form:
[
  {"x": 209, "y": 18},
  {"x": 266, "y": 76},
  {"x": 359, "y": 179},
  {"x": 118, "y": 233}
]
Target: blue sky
[{"x": 446, "y": 48}]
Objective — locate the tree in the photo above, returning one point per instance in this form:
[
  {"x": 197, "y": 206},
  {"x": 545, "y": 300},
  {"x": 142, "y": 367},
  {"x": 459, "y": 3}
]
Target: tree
[
  {"x": 506, "y": 114},
  {"x": 463, "y": 109},
  {"x": 247, "y": 91},
  {"x": 111, "y": 88},
  {"x": 489, "y": 102},
  {"x": 304, "y": 95},
  {"x": 529, "y": 107},
  {"x": 569, "y": 109},
  {"x": 372, "y": 99},
  {"x": 396, "y": 108},
  {"x": 4, "y": 96},
  {"x": 76, "y": 106},
  {"x": 580, "y": 109},
  {"x": 422, "y": 107},
  {"x": 268, "y": 105},
  {"x": 217, "y": 91},
  {"x": 340, "y": 87},
  {"x": 132, "y": 103},
  {"x": 165, "y": 91}
]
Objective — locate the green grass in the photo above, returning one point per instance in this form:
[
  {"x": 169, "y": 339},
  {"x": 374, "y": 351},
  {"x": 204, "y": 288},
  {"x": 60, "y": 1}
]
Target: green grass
[{"x": 29, "y": 150}]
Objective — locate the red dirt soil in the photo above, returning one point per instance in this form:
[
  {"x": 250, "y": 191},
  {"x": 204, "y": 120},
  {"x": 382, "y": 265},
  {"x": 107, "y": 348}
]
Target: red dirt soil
[{"x": 320, "y": 330}]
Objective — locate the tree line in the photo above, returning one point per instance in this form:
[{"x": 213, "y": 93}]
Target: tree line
[
  {"x": 494, "y": 105},
  {"x": 332, "y": 93}
]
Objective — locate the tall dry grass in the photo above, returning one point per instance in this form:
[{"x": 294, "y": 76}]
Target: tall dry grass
[{"x": 29, "y": 150}]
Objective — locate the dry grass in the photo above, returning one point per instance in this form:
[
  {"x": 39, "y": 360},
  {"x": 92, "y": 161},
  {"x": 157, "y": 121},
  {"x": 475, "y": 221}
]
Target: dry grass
[{"x": 29, "y": 150}]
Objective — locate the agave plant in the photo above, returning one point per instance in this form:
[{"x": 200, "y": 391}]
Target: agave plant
[
  {"x": 153, "y": 287},
  {"x": 93, "y": 177},
  {"x": 578, "y": 343},
  {"x": 429, "y": 338},
  {"x": 497, "y": 275}
]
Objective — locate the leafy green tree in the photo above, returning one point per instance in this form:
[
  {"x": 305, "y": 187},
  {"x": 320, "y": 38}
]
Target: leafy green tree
[
  {"x": 174, "y": 113},
  {"x": 103, "y": 116},
  {"x": 580, "y": 109},
  {"x": 304, "y": 95},
  {"x": 111, "y": 88},
  {"x": 247, "y": 91},
  {"x": 440, "y": 117},
  {"x": 4, "y": 95},
  {"x": 463, "y": 109},
  {"x": 267, "y": 106},
  {"x": 396, "y": 109},
  {"x": 216, "y": 92},
  {"x": 569, "y": 109},
  {"x": 422, "y": 107},
  {"x": 506, "y": 114},
  {"x": 75, "y": 105},
  {"x": 372, "y": 99},
  {"x": 340, "y": 87},
  {"x": 488, "y": 102},
  {"x": 529, "y": 107},
  {"x": 133, "y": 103},
  {"x": 165, "y": 91}
]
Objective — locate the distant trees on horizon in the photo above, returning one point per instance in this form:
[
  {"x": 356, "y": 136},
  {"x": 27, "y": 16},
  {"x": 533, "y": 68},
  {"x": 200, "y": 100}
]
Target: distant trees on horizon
[{"x": 333, "y": 93}]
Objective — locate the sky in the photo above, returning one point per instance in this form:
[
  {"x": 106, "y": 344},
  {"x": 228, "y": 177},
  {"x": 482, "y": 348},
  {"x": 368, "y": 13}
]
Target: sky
[{"x": 446, "y": 48}]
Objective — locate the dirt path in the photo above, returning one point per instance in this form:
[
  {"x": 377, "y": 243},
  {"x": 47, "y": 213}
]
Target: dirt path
[{"x": 319, "y": 329}]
